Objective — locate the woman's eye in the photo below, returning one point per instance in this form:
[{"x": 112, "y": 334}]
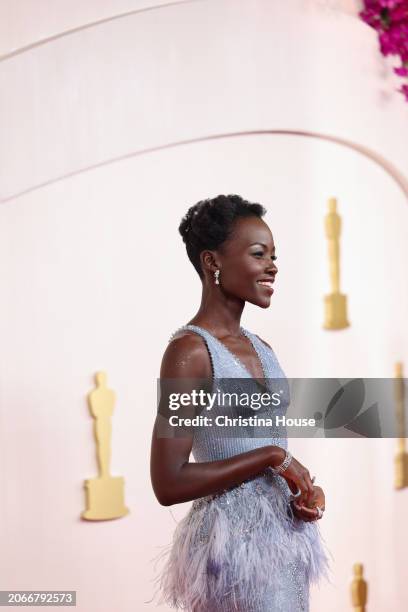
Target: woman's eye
[{"x": 260, "y": 254}]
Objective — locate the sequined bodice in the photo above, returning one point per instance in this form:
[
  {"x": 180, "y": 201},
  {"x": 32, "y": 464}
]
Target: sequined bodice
[{"x": 231, "y": 375}]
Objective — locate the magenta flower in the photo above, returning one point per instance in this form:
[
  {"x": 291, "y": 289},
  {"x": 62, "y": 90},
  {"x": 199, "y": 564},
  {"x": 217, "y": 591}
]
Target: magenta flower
[
  {"x": 390, "y": 4},
  {"x": 404, "y": 90},
  {"x": 402, "y": 71},
  {"x": 390, "y": 20}
]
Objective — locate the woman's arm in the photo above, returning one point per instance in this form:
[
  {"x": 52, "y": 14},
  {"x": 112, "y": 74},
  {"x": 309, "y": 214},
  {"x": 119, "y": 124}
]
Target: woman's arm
[{"x": 174, "y": 478}]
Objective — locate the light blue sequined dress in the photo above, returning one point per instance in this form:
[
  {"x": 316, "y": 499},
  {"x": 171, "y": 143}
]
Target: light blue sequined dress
[{"x": 242, "y": 549}]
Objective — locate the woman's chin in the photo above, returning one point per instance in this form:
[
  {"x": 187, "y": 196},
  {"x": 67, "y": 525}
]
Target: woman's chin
[{"x": 264, "y": 303}]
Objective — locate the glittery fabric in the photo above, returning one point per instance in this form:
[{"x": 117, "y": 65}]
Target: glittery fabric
[{"x": 242, "y": 549}]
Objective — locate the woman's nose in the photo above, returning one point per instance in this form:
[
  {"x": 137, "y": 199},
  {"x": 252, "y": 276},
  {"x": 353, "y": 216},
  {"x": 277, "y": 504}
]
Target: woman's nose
[{"x": 271, "y": 268}]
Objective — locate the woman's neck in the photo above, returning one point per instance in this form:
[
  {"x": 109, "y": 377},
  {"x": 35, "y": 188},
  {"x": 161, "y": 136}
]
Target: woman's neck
[{"x": 219, "y": 314}]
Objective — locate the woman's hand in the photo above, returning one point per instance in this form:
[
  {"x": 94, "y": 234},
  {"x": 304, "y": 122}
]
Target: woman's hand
[
  {"x": 310, "y": 513},
  {"x": 298, "y": 478},
  {"x": 319, "y": 498}
]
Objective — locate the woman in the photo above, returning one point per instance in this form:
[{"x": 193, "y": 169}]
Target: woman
[{"x": 250, "y": 542}]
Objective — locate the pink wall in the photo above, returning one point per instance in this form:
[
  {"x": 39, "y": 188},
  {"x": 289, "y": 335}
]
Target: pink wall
[{"x": 79, "y": 262}]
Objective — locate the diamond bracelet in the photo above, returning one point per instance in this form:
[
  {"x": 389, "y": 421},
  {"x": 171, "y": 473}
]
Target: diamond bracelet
[{"x": 279, "y": 469}]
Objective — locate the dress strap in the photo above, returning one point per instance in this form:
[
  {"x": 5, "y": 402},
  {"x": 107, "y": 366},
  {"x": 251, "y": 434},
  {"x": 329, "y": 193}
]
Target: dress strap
[
  {"x": 209, "y": 342},
  {"x": 195, "y": 328},
  {"x": 266, "y": 355}
]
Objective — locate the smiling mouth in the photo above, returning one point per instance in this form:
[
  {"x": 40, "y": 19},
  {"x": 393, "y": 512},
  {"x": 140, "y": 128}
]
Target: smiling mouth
[{"x": 265, "y": 283}]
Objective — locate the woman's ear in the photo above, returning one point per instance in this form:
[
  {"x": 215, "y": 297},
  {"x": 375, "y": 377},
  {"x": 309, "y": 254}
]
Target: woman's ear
[{"x": 209, "y": 261}]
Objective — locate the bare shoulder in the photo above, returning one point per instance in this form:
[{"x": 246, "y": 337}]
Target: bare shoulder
[
  {"x": 263, "y": 341},
  {"x": 186, "y": 356}
]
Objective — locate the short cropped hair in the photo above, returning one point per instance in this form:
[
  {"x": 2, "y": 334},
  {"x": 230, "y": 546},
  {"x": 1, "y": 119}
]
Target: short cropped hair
[{"x": 209, "y": 223}]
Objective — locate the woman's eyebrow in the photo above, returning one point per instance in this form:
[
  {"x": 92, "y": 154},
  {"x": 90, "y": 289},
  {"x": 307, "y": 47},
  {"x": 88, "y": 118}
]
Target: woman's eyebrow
[{"x": 262, "y": 244}]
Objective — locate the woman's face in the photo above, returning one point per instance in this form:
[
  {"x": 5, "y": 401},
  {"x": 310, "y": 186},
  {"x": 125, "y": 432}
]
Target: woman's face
[{"x": 246, "y": 260}]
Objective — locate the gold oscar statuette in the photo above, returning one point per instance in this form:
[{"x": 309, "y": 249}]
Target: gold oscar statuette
[
  {"x": 335, "y": 303},
  {"x": 104, "y": 494},
  {"x": 359, "y": 589},
  {"x": 401, "y": 456}
]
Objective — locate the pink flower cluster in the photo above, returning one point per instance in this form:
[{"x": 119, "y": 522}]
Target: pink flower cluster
[{"x": 390, "y": 19}]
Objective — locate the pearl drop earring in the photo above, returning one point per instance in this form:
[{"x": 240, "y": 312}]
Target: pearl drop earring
[{"x": 216, "y": 276}]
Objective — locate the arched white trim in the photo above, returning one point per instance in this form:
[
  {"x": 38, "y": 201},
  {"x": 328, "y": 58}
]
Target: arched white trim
[
  {"x": 397, "y": 176},
  {"x": 88, "y": 26}
]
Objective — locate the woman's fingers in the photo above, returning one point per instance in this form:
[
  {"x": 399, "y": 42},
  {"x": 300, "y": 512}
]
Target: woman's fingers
[
  {"x": 310, "y": 489},
  {"x": 299, "y": 514},
  {"x": 320, "y": 498},
  {"x": 308, "y": 514},
  {"x": 303, "y": 490},
  {"x": 305, "y": 496},
  {"x": 307, "y": 490},
  {"x": 292, "y": 486},
  {"x": 298, "y": 478}
]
